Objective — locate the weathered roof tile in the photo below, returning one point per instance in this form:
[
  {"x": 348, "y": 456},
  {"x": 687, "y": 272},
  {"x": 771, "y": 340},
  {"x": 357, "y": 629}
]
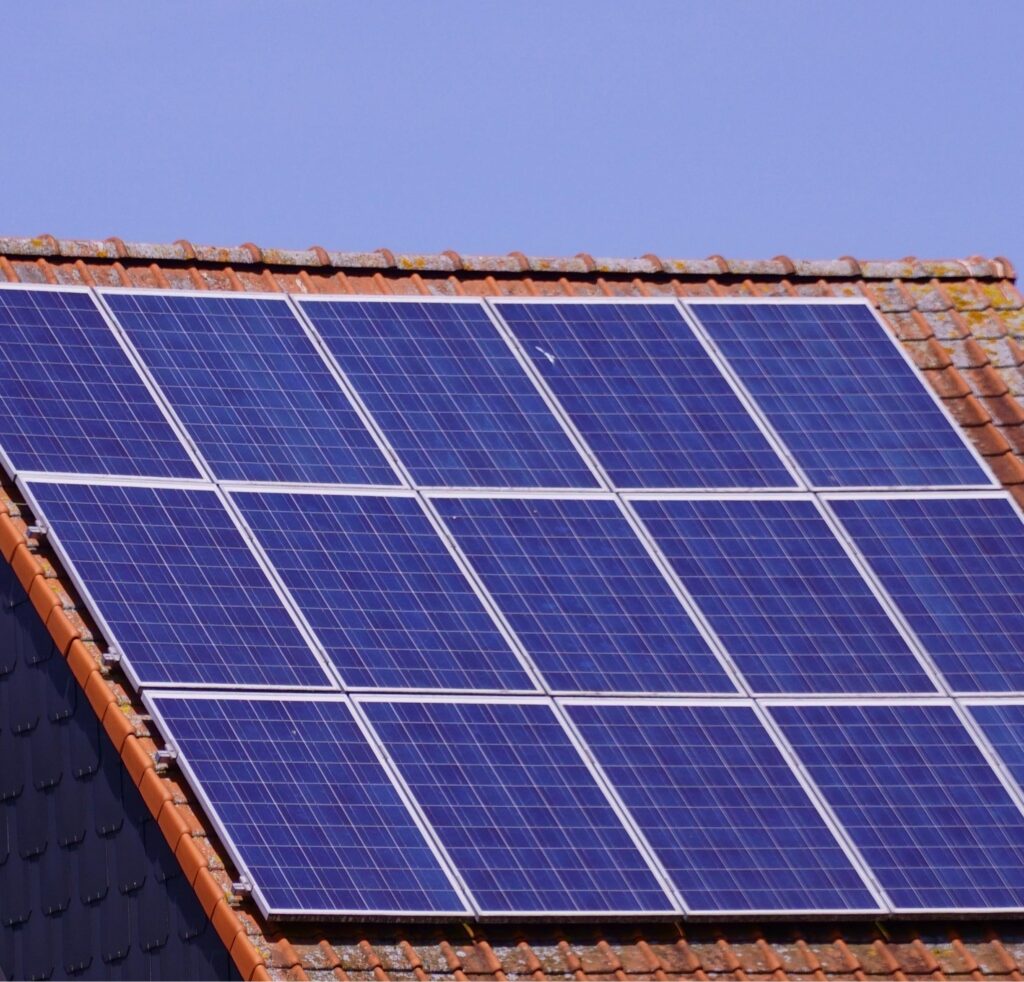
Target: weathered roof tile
[{"x": 965, "y": 314}]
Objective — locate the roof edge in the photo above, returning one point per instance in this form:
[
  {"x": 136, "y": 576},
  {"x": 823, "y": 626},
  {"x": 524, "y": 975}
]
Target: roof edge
[
  {"x": 582, "y": 264},
  {"x": 141, "y": 766}
]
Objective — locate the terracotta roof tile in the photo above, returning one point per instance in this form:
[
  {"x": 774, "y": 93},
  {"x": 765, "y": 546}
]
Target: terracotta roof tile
[
  {"x": 1001, "y": 294},
  {"x": 928, "y": 297},
  {"x": 1004, "y": 410},
  {"x": 1013, "y": 376},
  {"x": 962, "y": 321},
  {"x": 1014, "y": 436}
]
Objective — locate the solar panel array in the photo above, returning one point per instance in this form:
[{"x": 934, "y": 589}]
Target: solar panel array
[{"x": 531, "y": 608}]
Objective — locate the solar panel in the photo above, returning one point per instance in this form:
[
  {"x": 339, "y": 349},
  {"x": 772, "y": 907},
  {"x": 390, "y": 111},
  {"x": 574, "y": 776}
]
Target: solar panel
[
  {"x": 782, "y": 595},
  {"x": 583, "y": 595},
  {"x": 645, "y": 395},
  {"x": 176, "y": 586},
  {"x": 1003, "y": 727},
  {"x": 312, "y": 816},
  {"x": 516, "y": 808},
  {"x": 453, "y": 401},
  {"x": 918, "y": 798},
  {"x": 70, "y": 400},
  {"x": 250, "y": 388},
  {"x": 475, "y": 795},
  {"x": 840, "y": 394},
  {"x": 721, "y": 808},
  {"x": 955, "y": 568},
  {"x": 382, "y": 592}
]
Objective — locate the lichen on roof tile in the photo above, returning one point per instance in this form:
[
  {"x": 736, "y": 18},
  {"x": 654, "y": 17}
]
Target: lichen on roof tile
[{"x": 964, "y": 313}]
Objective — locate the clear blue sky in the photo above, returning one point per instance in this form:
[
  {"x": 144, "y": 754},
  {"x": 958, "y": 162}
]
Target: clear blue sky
[{"x": 878, "y": 128}]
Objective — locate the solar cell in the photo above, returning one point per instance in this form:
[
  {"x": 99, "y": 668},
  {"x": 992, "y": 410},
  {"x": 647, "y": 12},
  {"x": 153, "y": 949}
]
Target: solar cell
[
  {"x": 70, "y": 400},
  {"x": 450, "y": 396},
  {"x": 782, "y": 595},
  {"x": 516, "y": 808},
  {"x": 311, "y": 813},
  {"x": 918, "y": 798},
  {"x": 250, "y": 388},
  {"x": 721, "y": 807},
  {"x": 382, "y": 591},
  {"x": 1003, "y": 726},
  {"x": 176, "y": 586},
  {"x": 645, "y": 395},
  {"x": 583, "y": 595},
  {"x": 955, "y": 568},
  {"x": 841, "y": 396}
]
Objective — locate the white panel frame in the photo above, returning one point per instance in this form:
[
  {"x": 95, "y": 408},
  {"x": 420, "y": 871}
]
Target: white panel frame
[
  {"x": 694, "y": 319},
  {"x": 152, "y": 701},
  {"x": 172, "y": 421},
  {"x": 495, "y": 304},
  {"x": 125, "y": 340},
  {"x": 825, "y": 502},
  {"x": 973, "y": 732},
  {"x": 95, "y": 609},
  {"x": 966, "y": 705},
  {"x": 612, "y": 799},
  {"x": 299, "y": 302},
  {"x": 813, "y": 798},
  {"x": 858, "y": 562},
  {"x": 604, "y": 489},
  {"x": 515, "y": 648},
  {"x": 680, "y": 593}
]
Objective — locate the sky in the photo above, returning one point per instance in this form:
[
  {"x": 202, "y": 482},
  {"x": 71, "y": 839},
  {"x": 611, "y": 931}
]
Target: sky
[{"x": 817, "y": 129}]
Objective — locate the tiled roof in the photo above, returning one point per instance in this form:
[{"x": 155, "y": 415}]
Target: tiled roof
[{"x": 962, "y": 322}]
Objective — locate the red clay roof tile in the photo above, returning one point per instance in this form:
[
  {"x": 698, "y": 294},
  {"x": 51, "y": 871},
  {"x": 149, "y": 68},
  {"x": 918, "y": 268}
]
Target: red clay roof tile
[{"x": 966, "y": 313}]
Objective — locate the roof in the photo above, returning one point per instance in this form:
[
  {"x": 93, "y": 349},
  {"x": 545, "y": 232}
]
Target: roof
[{"x": 962, "y": 321}]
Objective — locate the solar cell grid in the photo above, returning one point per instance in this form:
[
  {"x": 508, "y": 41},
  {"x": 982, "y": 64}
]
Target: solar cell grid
[
  {"x": 918, "y": 798},
  {"x": 294, "y": 785},
  {"x": 645, "y": 395},
  {"x": 783, "y": 596},
  {"x": 721, "y": 807},
  {"x": 450, "y": 396},
  {"x": 382, "y": 592},
  {"x": 516, "y": 808},
  {"x": 1003, "y": 726},
  {"x": 311, "y": 812},
  {"x": 70, "y": 400},
  {"x": 176, "y": 585},
  {"x": 955, "y": 568},
  {"x": 583, "y": 595},
  {"x": 841, "y": 396},
  {"x": 251, "y": 389}
]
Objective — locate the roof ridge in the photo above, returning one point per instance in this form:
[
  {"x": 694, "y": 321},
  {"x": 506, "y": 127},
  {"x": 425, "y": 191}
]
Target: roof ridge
[
  {"x": 958, "y": 336},
  {"x": 515, "y": 263}
]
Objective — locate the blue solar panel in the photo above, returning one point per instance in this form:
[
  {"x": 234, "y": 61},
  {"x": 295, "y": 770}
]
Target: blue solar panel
[
  {"x": 721, "y": 808},
  {"x": 955, "y": 568},
  {"x": 382, "y": 591},
  {"x": 309, "y": 809},
  {"x": 516, "y": 808},
  {"x": 639, "y": 386},
  {"x": 446, "y": 390},
  {"x": 839, "y": 393},
  {"x": 784, "y": 598},
  {"x": 177, "y": 586},
  {"x": 70, "y": 399},
  {"x": 251, "y": 389},
  {"x": 919, "y": 800},
  {"x": 1003, "y": 725},
  {"x": 583, "y": 595}
]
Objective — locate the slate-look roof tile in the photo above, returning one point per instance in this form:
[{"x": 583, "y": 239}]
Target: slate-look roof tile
[{"x": 962, "y": 321}]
